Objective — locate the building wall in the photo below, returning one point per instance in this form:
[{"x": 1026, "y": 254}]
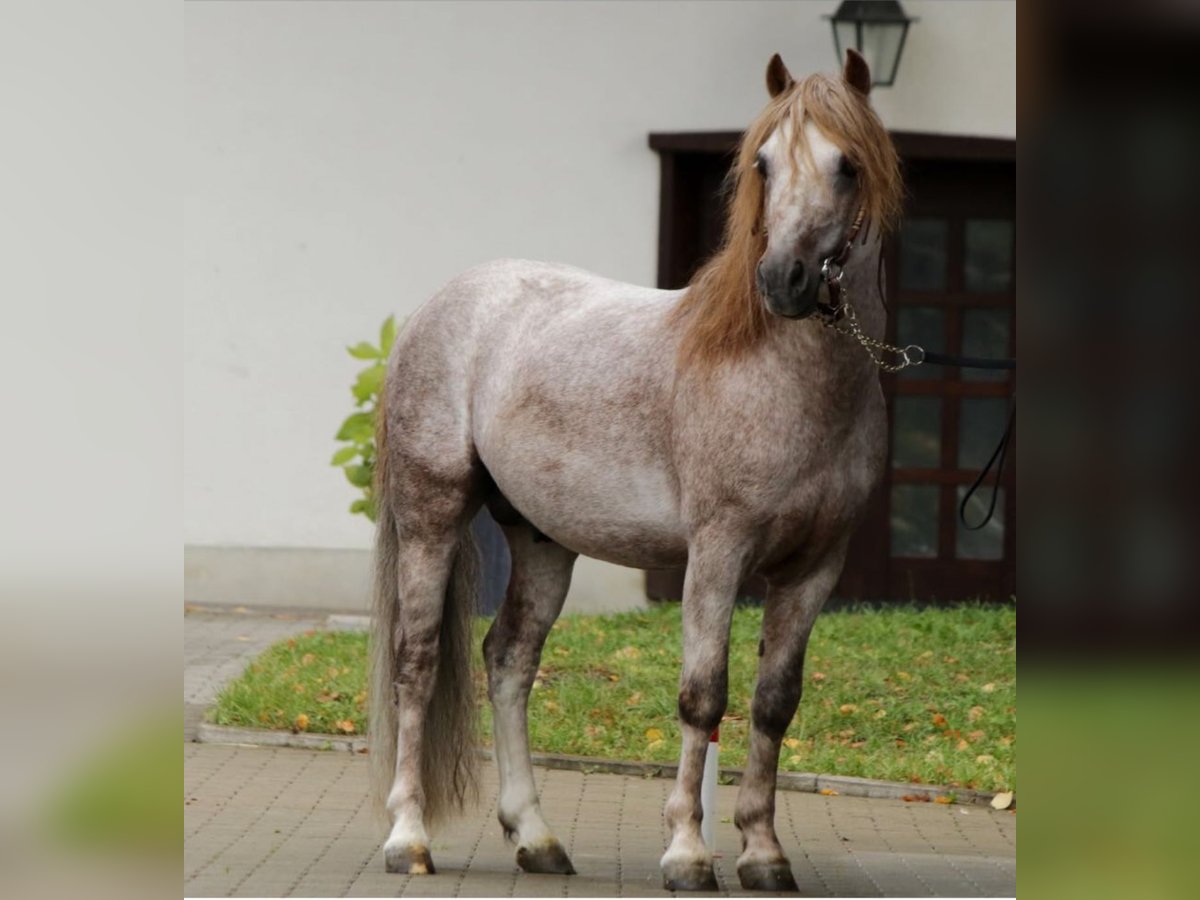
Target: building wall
[{"x": 346, "y": 160}]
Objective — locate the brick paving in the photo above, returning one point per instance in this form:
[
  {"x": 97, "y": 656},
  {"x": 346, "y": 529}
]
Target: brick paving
[{"x": 277, "y": 822}]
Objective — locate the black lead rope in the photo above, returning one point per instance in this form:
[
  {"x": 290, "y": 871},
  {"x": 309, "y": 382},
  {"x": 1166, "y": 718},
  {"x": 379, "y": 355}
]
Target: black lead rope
[
  {"x": 967, "y": 362},
  {"x": 1000, "y": 454},
  {"x": 997, "y": 459}
]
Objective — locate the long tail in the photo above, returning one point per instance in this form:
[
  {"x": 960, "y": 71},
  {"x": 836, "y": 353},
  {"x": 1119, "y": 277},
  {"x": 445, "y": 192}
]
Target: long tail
[{"x": 449, "y": 754}]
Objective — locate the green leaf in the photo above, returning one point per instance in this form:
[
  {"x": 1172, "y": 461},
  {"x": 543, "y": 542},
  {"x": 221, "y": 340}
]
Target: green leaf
[
  {"x": 363, "y": 350},
  {"x": 368, "y": 383},
  {"x": 359, "y": 476},
  {"x": 344, "y": 456},
  {"x": 387, "y": 335},
  {"x": 358, "y": 427},
  {"x": 359, "y": 506}
]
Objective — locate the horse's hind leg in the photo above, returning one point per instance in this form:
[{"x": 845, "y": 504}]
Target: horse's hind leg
[
  {"x": 541, "y": 574},
  {"x": 788, "y": 617},
  {"x": 424, "y": 571}
]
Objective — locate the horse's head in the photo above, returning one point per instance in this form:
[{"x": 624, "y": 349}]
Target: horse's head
[{"x": 816, "y": 157}]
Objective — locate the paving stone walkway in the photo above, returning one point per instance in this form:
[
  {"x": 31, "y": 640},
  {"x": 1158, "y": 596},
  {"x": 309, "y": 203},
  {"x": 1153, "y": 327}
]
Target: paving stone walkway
[{"x": 276, "y": 822}]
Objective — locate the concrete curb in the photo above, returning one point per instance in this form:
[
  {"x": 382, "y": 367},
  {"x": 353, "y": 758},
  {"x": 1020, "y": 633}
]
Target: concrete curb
[{"x": 804, "y": 782}]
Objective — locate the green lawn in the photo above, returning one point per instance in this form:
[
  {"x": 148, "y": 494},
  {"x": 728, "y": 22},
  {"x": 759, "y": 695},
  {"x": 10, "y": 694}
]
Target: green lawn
[{"x": 901, "y": 694}]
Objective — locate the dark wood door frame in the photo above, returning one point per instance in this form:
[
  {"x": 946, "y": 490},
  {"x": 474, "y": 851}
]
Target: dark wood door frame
[{"x": 692, "y": 166}]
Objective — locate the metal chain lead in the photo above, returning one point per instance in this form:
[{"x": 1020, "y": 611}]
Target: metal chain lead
[{"x": 912, "y": 355}]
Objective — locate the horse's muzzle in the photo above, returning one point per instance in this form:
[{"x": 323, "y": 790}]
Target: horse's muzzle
[{"x": 788, "y": 289}]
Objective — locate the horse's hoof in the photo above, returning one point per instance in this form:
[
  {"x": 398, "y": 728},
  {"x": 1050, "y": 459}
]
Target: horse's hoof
[
  {"x": 545, "y": 859},
  {"x": 692, "y": 876},
  {"x": 412, "y": 859},
  {"x": 773, "y": 876}
]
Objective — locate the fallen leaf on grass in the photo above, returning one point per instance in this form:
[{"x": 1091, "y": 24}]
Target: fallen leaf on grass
[
  {"x": 846, "y": 708},
  {"x": 654, "y": 745},
  {"x": 634, "y": 699},
  {"x": 818, "y": 676},
  {"x": 629, "y": 652},
  {"x": 962, "y": 745},
  {"x": 791, "y": 743},
  {"x": 939, "y": 721},
  {"x": 653, "y": 734},
  {"x": 974, "y": 713},
  {"x": 301, "y": 722},
  {"x": 307, "y": 659},
  {"x": 345, "y": 726},
  {"x": 1003, "y": 800},
  {"x": 989, "y": 687},
  {"x": 794, "y": 760}
]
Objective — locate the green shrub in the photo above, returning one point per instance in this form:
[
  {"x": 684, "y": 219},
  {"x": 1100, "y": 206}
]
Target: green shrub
[{"x": 357, "y": 457}]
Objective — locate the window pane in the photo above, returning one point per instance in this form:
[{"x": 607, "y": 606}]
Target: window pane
[
  {"x": 924, "y": 326},
  {"x": 923, "y": 255},
  {"x": 989, "y": 255},
  {"x": 987, "y": 542},
  {"x": 917, "y": 432},
  {"x": 914, "y": 520},
  {"x": 980, "y": 424},
  {"x": 985, "y": 333}
]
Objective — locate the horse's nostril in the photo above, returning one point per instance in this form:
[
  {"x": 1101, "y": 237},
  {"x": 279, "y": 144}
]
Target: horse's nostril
[{"x": 796, "y": 277}]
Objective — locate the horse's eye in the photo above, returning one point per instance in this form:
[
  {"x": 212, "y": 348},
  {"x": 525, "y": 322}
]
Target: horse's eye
[
  {"x": 760, "y": 165},
  {"x": 847, "y": 168}
]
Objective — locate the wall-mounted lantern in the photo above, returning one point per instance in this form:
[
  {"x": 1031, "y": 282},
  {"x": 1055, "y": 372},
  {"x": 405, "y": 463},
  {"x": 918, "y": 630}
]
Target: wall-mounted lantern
[{"x": 876, "y": 29}]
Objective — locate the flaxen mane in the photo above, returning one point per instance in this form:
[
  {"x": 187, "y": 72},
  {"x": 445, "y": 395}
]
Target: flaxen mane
[{"x": 721, "y": 313}]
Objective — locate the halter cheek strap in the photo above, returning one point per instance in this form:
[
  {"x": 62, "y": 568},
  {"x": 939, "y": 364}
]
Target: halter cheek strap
[{"x": 833, "y": 268}]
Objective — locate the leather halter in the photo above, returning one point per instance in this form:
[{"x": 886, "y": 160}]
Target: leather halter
[{"x": 833, "y": 268}]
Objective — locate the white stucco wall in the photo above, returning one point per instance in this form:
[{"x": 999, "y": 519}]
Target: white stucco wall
[{"x": 346, "y": 159}]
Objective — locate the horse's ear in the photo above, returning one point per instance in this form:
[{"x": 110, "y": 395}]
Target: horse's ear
[
  {"x": 856, "y": 72},
  {"x": 779, "y": 79}
]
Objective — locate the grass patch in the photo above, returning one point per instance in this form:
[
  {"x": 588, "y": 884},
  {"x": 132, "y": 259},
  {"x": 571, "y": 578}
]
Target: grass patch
[{"x": 900, "y": 694}]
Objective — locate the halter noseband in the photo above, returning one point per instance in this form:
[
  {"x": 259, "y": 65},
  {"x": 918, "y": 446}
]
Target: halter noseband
[{"x": 832, "y": 269}]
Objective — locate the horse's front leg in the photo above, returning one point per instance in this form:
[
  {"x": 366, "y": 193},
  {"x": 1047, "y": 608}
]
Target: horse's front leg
[
  {"x": 714, "y": 571},
  {"x": 791, "y": 609}
]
